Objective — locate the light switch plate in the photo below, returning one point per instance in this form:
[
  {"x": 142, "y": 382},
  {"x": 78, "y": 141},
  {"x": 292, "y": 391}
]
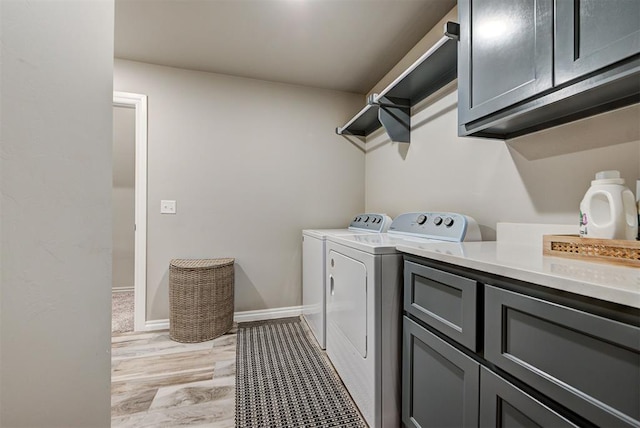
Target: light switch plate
[{"x": 167, "y": 207}]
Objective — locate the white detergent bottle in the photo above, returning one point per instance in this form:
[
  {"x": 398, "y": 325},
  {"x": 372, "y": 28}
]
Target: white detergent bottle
[{"x": 608, "y": 209}]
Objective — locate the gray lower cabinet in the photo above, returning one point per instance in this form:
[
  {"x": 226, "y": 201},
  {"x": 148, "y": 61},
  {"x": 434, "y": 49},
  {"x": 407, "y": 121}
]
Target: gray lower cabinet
[
  {"x": 540, "y": 358},
  {"x": 443, "y": 387},
  {"x": 504, "y": 405},
  {"x": 588, "y": 363},
  {"x": 440, "y": 383}
]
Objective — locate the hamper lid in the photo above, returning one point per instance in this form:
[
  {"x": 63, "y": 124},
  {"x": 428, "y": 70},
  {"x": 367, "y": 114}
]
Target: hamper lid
[{"x": 201, "y": 263}]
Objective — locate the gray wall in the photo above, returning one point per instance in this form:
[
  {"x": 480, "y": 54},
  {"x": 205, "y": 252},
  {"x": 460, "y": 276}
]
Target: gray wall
[
  {"x": 250, "y": 164},
  {"x": 538, "y": 178},
  {"x": 55, "y": 169},
  {"x": 123, "y": 196}
]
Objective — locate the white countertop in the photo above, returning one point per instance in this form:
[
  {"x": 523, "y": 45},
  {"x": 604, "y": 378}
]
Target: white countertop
[{"x": 524, "y": 262}]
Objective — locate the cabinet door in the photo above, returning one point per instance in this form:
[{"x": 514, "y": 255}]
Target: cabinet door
[
  {"x": 505, "y": 54},
  {"x": 503, "y": 405},
  {"x": 439, "y": 383},
  {"x": 587, "y": 363},
  {"x": 592, "y": 34}
]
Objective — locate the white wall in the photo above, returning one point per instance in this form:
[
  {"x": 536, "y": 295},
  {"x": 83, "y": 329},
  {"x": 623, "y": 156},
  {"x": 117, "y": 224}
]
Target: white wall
[
  {"x": 123, "y": 196},
  {"x": 55, "y": 169},
  {"x": 539, "y": 178},
  {"x": 250, "y": 163}
]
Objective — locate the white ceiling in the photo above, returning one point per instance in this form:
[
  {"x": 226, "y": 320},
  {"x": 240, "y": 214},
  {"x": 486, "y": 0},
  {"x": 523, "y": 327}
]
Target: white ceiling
[{"x": 347, "y": 45}]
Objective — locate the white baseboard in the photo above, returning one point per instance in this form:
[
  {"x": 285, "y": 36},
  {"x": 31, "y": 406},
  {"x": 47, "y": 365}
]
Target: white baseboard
[
  {"x": 267, "y": 314},
  {"x": 121, "y": 289},
  {"x": 244, "y": 316},
  {"x": 156, "y": 325}
]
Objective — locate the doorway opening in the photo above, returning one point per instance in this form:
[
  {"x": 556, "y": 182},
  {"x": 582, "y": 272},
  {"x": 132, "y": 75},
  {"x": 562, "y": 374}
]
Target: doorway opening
[{"x": 130, "y": 204}]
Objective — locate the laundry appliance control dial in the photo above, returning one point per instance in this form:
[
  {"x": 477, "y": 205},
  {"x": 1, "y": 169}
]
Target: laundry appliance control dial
[
  {"x": 443, "y": 226},
  {"x": 370, "y": 222}
]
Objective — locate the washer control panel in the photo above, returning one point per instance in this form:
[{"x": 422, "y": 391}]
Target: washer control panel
[
  {"x": 444, "y": 226},
  {"x": 371, "y": 222}
]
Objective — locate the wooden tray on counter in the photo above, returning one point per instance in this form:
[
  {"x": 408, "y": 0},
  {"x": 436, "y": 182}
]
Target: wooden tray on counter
[{"x": 614, "y": 251}]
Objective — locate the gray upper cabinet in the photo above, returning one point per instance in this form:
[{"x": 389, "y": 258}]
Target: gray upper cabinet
[
  {"x": 593, "y": 34},
  {"x": 527, "y": 65},
  {"x": 505, "y": 54}
]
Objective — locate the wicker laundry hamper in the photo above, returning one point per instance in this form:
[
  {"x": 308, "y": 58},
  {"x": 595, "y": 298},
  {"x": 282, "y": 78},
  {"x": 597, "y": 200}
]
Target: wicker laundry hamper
[{"x": 200, "y": 299}]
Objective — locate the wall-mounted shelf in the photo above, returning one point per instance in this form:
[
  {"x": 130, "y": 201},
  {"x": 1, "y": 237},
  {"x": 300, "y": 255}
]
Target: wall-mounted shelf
[{"x": 391, "y": 108}]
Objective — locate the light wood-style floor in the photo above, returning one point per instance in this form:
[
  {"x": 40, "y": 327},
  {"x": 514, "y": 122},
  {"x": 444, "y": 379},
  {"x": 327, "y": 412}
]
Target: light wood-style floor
[{"x": 156, "y": 382}]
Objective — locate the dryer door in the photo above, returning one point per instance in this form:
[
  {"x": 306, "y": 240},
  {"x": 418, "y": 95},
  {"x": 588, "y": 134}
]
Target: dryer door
[{"x": 348, "y": 299}]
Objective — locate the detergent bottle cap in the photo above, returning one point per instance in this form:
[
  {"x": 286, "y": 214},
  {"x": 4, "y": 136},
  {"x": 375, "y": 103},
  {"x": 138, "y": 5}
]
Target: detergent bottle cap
[{"x": 608, "y": 177}]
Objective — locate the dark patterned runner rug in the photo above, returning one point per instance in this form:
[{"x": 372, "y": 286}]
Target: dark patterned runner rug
[{"x": 282, "y": 380}]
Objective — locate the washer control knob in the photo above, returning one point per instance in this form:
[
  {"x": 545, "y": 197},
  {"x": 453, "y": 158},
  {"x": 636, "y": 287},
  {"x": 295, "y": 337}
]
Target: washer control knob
[
  {"x": 366, "y": 219},
  {"x": 421, "y": 219},
  {"x": 437, "y": 221},
  {"x": 448, "y": 222}
]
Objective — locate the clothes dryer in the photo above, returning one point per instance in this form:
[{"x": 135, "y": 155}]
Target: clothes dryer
[
  {"x": 313, "y": 267},
  {"x": 364, "y": 307}
]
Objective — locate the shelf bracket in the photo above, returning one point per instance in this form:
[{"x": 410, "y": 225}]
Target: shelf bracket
[
  {"x": 395, "y": 115},
  {"x": 375, "y": 100},
  {"x": 452, "y": 30}
]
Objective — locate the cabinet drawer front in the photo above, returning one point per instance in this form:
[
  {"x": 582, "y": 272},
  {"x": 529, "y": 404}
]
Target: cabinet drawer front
[
  {"x": 504, "y": 405},
  {"x": 445, "y": 301},
  {"x": 439, "y": 383},
  {"x": 585, "y": 362}
]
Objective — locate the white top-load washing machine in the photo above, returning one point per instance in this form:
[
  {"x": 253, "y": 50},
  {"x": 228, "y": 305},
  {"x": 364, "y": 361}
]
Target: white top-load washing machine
[
  {"x": 313, "y": 267},
  {"x": 364, "y": 307}
]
